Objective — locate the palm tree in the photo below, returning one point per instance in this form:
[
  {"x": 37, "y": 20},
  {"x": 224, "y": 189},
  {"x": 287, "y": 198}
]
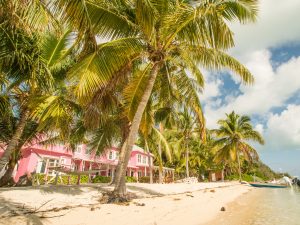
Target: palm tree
[
  {"x": 167, "y": 42},
  {"x": 183, "y": 135},
  {"x": 145, "y": 31},
  {"x": 24, "y": 68},
  {"x": 233, "y": 134},
  {"x": 32, "y": 60}
]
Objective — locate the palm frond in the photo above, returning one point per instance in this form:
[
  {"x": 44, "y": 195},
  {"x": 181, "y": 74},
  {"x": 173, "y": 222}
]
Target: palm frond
[{"x": 97, "y": 68}]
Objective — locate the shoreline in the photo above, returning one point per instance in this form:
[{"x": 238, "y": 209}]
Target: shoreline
[
  {"x": 160, "y": 204},
  {"x": 241, "y": 210}
]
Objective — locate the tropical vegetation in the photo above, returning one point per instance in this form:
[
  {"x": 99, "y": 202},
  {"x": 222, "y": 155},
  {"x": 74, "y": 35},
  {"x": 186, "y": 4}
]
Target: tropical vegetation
[{"x": 102, "y": 72}]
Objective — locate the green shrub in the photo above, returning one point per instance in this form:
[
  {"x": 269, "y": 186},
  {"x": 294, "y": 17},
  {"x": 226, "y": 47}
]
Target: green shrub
[
  {"x": 131, "y": 180},
  {"x": 101, "y": 179},
  {"x": 144, "y": 179},
  {"x": 245, "y": 177},
  {"x": 64, "y": 179}
]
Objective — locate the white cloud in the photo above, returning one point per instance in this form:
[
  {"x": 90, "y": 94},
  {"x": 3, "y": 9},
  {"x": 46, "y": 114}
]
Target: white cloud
[
  {"x": 271, "y": 89},
  {"x": 277, "y": 24},
  {"x": 283, "y": 130},
  {"x": 212, "y": 89},
  {"x": 260, "y": 128}
]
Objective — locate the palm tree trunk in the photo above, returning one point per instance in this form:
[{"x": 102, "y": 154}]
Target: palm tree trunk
[
  {"x": 240, "y": 172},
  {"x": 187, "y": 162},
  {"x": 120, "y": 186},
  {"x": 160, "y": 168},
  {"x": 125, "y": 130},
  {"x": 118, "y": 171},
  {"x": 7, "y": 179},
  {"x": 150, "y": 165},
  {"x": 14, "y": 140}
]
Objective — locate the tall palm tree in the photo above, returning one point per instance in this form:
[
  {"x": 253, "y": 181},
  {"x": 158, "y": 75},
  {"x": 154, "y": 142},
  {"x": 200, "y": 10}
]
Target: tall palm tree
[
  {"x": 168, "y": 41},
  {"x": 23, "y": 66},
  {"x": 32, "y": 61},
  {"x": 145, "y": 31},
  {"x": 233, "y": 135},
  {"x": 183, "y": 135}
]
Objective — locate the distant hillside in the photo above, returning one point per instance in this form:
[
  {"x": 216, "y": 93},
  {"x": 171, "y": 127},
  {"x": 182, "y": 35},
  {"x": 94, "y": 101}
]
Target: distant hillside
[{"x": 259, "y": 170}]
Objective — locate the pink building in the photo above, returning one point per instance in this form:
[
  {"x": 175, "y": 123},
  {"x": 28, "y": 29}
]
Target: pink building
[{"x": 41, "y": 159}]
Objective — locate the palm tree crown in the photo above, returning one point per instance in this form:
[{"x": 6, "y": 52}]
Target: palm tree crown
[{"x": 233, "y": 135}]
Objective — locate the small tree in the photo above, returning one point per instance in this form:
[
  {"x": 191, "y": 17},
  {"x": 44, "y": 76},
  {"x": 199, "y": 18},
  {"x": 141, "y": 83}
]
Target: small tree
[{"x": 233, "y": 134}]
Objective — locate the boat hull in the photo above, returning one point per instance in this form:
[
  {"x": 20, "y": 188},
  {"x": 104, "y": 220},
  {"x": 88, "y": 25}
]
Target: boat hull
[{"x": 267, "y": 185}]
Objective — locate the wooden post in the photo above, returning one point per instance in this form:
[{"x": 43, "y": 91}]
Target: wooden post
[
  {"x": 222, "y": 175},
  {"x": 78, "y": 179},
  {"x": 90, "y": 177},
  {"x": 173, "y": 175},
  {"x": 46, "y": 176},
  {"x": 56, "y": 178},
  {"x": 69, "y": 179},
  {"x": 112, "y": 173},
  {"x": 107, "y": 169}
]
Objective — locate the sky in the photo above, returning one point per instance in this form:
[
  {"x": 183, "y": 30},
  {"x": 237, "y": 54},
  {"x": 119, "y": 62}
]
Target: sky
[{"x": 270, "y": 49}]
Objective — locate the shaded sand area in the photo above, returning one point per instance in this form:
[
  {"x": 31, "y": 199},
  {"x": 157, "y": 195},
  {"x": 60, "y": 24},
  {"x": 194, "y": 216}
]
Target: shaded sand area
[{"x": 158, "y": 204}]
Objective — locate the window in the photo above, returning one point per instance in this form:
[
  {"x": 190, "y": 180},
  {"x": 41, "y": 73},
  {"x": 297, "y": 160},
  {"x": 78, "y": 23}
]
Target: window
[
  {"x": 117, "y": 155},
  {"x": 62, "y": 161},
  {"x": 52, "y": 163},
  {"x": 87, "y": 151},
  {"x": 144, "y": 159},
  {"x": 139, "y": 158},
  {"x": 110, "y": 156},
  {"x": 41, "y": 166},
  {"x": 78, "y": 149},
  {"x": 139, "y": 173}
]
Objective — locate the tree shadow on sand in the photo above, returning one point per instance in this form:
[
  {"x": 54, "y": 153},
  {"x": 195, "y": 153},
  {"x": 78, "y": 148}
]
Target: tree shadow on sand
[
  {"x": 145, "y": 190},
  {"x": 12, "y": 212}
]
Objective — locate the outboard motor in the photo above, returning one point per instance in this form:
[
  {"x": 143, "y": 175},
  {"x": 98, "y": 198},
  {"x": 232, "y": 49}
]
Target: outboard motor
[{"x": 296, "y": 181}]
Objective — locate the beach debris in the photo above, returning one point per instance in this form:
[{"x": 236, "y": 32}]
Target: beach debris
[
  {"x": 94, "y": 208},
  {"x": 139, "y": 204},
  {"x": 212, "y": 190},
  {"x": 190, "y": 195},
  {"x": 176, "y": 199},
  {"x": 223, "y": 209},
  {"x": 189, "y": 180}
]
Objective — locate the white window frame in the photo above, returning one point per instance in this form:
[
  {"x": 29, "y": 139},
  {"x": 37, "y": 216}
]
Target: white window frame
[
  {"x": 111, "y": 155},
  {"x": 139, "y": 158},
  {"x": 144, "y": 159},
  {"x": 78, "y": 149}
]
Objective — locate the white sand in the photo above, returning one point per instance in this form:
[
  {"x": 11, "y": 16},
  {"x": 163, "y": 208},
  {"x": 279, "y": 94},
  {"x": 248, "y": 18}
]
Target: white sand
[{"x": 181, "y": 204}]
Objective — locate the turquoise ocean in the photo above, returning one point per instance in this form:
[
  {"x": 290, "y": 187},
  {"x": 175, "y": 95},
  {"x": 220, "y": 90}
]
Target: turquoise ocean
[{"x": 277, "y": 207}]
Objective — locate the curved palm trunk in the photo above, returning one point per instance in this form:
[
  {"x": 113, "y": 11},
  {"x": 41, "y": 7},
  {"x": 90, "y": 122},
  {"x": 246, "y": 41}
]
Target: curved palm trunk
[
  {"x": 7, "y": 179},
  {"x": 120, "y": 186},
  {"x": 160, "y": 168},
  {"x": 240, "y": 172},
  {"x": 118, "y": 170},
  {"x": 14, "y": 140},
  {"x": 150, "y": 165},
  {"x": 187, "y": 162}
]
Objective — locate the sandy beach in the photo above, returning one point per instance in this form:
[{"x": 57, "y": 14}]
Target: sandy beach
[{"x": 161, "y": 204}]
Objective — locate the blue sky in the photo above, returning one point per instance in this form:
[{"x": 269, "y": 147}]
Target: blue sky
[{"x": 270, "y": 49}]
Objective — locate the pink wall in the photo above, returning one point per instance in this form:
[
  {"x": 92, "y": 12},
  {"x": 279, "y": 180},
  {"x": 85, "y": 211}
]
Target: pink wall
[{"x": 32, "y": 154}]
